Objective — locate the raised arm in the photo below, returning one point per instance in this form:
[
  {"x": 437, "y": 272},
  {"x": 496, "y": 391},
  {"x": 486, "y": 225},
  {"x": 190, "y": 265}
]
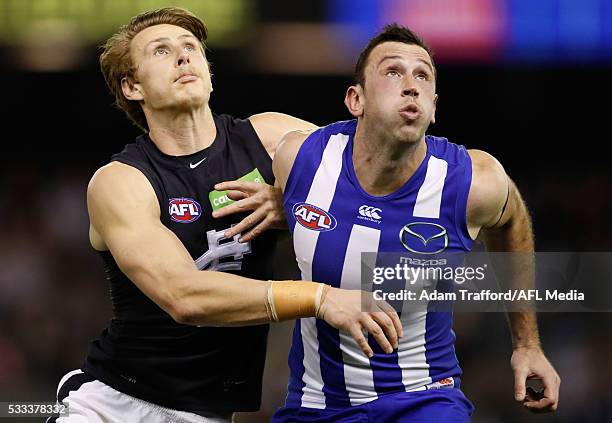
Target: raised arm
[
  {"x": 287, "y": 151},
  {"x": 262, "y": 199},
  {"x": 496, "y": 209},
  {"x": 272, "y": 126}
]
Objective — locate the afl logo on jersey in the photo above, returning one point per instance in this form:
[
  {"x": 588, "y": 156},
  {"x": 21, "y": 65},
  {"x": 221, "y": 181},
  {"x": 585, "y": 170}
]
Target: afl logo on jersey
[
  {"x": 184, "y": 210},
  {"x": 314, "y": 218}
]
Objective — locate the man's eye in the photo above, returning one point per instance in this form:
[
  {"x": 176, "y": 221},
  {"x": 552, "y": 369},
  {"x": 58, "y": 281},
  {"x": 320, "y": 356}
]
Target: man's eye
[
  {"x": 189, "y": 48},
  {"x": 393, "y": 73},
  {"x": 422, "y": 77},
  {"x": 160, "y": 51}
]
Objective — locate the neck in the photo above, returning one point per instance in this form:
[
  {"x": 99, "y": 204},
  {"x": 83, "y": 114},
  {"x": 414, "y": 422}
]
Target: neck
[
  {"x": 182, "y": 133},
  {"x": 382, "y": 166}
]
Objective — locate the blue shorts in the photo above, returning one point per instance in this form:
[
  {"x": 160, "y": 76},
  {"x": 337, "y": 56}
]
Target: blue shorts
[{"x": 431, "y": 406}]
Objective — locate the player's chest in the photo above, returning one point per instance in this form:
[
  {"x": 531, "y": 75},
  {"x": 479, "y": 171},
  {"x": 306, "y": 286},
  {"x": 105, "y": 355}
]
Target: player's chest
[
  {"x": 188, "y": 200},
  {"x": 385, "y": 226}
]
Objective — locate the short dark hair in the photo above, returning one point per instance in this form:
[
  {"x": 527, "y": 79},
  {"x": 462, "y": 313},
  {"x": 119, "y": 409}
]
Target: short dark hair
[{"x": 391, "y": 32}]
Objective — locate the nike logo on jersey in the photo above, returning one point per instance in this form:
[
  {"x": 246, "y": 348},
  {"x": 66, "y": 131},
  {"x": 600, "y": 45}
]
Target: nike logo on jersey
[{"x": 193, "y": 166}]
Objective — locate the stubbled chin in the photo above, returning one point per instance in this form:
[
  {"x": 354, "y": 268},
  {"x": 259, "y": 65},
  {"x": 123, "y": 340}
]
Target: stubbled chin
[{"x": 411, "y": 134}]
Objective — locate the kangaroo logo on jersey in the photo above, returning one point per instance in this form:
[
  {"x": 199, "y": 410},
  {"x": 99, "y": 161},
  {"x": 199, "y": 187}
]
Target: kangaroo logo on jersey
[
  {"x": 184, "y": 210},
  {"x": 314, "y": 218},
  {"x": 424, "y": 237}
]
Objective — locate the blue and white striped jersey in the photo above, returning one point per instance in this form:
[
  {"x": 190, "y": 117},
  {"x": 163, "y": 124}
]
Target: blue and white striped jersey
[{"x": 333, "y": 220}]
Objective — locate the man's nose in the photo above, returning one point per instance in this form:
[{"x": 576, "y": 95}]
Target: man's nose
[
  {"x": 183, "y": 58},
  {"x": 410, "y": 92},
  {"x": 410, "y": 89}
]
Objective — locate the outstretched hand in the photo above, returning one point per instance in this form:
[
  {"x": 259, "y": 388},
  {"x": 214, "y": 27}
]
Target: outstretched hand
[
  {"x": 354, "y": 311},
  {"x": 265, "y": 202},
  {"x": 531, "y": 363}
]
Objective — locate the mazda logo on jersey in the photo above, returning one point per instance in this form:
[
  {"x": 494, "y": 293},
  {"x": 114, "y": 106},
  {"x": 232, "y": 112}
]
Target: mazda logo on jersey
[
  {"x": 424, "y": 237},
  {"x": 313, "y": 218},
  {"x": 184, "y": 210}
]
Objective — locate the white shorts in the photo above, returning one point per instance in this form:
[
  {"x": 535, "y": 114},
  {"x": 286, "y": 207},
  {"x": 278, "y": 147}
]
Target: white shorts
[{"x": 89, "y": 400}]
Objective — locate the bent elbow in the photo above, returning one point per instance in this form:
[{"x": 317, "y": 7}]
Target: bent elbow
[
  {"x": 188, "y": 312},
  {"x": 177, "y": 301},
  {"x": 201, "y": 304},
  {"x": 183, "y": 312}
]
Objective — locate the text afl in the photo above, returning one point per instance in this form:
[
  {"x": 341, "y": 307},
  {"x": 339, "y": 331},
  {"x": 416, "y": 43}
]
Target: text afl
[
  {"x": 184, "y": 210},
  {"x": 313, "y": 218}
]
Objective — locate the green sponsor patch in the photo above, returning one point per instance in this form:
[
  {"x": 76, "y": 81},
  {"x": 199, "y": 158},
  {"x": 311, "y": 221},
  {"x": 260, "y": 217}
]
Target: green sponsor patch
[{"x": 219, "y": 199}]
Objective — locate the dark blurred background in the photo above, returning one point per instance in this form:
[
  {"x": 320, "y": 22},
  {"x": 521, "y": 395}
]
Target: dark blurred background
[{"x": 527, "y": 81}]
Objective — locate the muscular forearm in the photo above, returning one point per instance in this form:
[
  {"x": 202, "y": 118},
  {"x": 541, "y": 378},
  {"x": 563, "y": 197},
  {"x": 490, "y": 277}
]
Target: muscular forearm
[
  {"x": 517, "y": 270},
  {"x": 524, "y": 329},
  {"x": 506, "y": 229},
  {"x": 223, "y": 299},
  {"x": 217, "y": 299}
]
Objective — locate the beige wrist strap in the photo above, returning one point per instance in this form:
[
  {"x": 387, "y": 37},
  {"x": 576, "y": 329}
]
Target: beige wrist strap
[{"x": 290, "y": 300}]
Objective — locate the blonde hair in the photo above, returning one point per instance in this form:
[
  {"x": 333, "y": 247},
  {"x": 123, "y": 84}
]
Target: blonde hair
[{"x": 116, "y": 60}]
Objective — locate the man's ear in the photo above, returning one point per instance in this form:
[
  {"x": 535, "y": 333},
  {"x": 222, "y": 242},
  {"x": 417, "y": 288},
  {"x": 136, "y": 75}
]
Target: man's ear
[
  {"x": 433, "y": 115},
  {"x": 131, "y": 90},
  {"x": 354, "y": 100}
]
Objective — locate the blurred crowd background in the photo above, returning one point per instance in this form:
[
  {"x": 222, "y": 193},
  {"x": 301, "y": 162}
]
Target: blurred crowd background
[{"x": 528, "y": 81}]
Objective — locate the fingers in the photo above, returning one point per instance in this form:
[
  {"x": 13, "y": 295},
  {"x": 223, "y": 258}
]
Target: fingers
[
  {"x": 244, "y": 186},
  {"x": 377, "y": 333},
  {"x": 520, "y": 376},
  {"x": 237, "y": 207},
  {"x": 247, "y": 199},
  {"x": 551, "y": 390},
  {"x": 268, "y": 223},
  {"x": 550, "y": 399},
  {"x": 246, "y": 223},
  {"x": 237, "y": 195},
  {"x": 392, "y": 313},
  {"x": 261, "y": 199},
  {"x": 343, "y": 309},
  {"x": 385, "y": 322},
  {"x": 541, "y": 406},
  {"x": 358, "y": 336}
]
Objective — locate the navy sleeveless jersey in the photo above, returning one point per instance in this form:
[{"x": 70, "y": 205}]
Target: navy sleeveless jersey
[
  {"x": 144, "y": 352},
  {"x": 333, "y": 220}
]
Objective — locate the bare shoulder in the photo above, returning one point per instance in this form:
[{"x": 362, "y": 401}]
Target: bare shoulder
[
  {"x": 488, "y": 191},
  {"x": 116, "y": 191},
  {"x": 286, "y": 153},
  {"x": 120, "y": 180},
  {"x": 279, "y": 119},
  {"x": 271, "y": 126},
  {"x": 484, "y": 164}
]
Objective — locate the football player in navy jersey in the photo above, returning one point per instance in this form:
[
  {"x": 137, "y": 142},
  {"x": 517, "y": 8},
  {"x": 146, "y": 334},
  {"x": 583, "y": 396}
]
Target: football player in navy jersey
[
  {"x": 191, "y": 299},
  {"x": 372, "y": 177}
]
